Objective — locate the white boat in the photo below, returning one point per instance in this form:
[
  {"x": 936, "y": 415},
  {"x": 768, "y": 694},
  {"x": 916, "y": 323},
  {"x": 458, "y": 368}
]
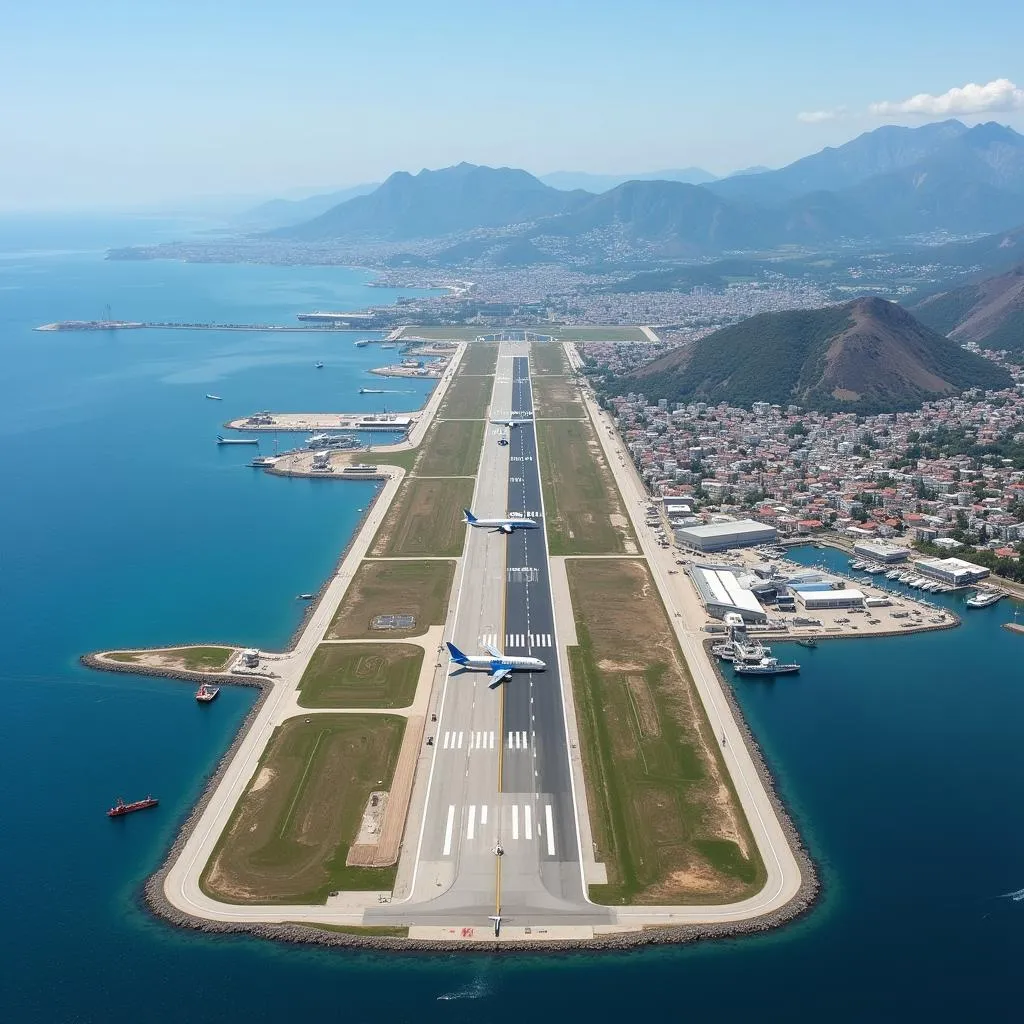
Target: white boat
[
  {"x": 765, "y": 667},
  {"x": 857, "y": 565},
  {"x": 237, "y": 440},
  {"x": 984, "y": 598},
  {"x": 215, "y": 398},
  {"x": 892, "y": 574}
]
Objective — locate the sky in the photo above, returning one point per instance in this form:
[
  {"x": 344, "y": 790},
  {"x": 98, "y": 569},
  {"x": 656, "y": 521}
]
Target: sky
[{"x": 120, "y": 103}]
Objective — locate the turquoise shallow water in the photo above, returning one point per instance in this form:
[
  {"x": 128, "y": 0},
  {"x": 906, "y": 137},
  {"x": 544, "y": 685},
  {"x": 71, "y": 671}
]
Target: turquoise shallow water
[{"x": 121, "y": 522}]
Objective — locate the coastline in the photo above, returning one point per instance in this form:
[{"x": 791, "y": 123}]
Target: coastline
[{"x": 624, "y": 934}]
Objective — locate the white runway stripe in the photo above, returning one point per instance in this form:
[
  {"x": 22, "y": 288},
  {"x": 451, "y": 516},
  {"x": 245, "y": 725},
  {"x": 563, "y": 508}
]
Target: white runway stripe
[
  {"x": 491, "y": 741},
  {"x": 447, "y": 739},
  {"x": 527, "y": 822},
  {"x": 483, "y": 815},
  {"x": 515, "y": 820},
  {"x": 448, "y": 831},
  {"x": 551, "y": 830},
  {"x": 471, "y": 827},
  {"x": 526, "y": 741},
  {"x": 510, "y": 741},
  {"x": 459, "y": 744}
]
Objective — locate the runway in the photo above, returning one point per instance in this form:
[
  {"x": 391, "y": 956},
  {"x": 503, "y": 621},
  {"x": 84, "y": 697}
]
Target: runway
[{"x": 499, "y": 776}]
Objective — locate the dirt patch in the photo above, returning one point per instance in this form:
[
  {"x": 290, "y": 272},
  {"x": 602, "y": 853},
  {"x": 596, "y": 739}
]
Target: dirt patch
[{"x": 263, "y": 779}]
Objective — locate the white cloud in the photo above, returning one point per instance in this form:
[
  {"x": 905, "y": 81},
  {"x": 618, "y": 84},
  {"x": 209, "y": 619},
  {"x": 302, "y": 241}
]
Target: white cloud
[
  {"x": 999, "y": 95},
  {"x": 817, "y": 116}
]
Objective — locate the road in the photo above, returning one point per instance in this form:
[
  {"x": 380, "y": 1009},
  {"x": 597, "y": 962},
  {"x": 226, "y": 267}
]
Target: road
[{"x": 500, "y": 769}]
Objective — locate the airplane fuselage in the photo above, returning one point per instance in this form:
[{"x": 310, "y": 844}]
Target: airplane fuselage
[{"x": 514, "y": 663}]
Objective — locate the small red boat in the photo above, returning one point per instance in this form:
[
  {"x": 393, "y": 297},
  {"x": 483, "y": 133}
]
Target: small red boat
[
  {"x": 206, "y": 693},
  {"x": 121, "y": 807}
]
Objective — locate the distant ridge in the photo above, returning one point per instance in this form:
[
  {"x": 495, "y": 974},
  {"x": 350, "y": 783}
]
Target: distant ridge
[
  {"x": 867, "y": 356},
  {"x": 434, "y": 204},
  {"x": 598, "y": 183},
  {"x": 989, "y": 312}
]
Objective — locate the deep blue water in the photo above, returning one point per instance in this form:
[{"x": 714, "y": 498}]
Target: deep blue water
[{"x": 122, "y": 523}]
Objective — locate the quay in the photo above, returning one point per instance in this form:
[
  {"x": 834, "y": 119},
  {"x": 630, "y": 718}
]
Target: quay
[
  {"x": 153, "y": 325},
  {"x": 286, "y": 422}
]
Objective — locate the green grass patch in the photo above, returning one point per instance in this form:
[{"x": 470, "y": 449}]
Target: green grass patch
[
  {"x": 548, "y": 358},
  {"x": 666, "y": 819},
  {"x": 481, "y": 358},
  {"x": 557, "y": 398},
  {"x": 419, "y": 589},
  {"x": 582, "y": 507},
  {"x": 452, "y": 449},
  {"x": 467, "y": 398},
  {"x": 361, "y": 676},
  {"x": 425, "y": 519},
  {"x": 288, "y": 838},
  {"x": 191, "y": 659},
  {"x": 406, "y": 459},
  {"x": 388, "y": 931}
]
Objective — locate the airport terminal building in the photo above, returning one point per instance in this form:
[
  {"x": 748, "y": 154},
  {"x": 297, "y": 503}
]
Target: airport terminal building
[{"x": 741, "y": 533}]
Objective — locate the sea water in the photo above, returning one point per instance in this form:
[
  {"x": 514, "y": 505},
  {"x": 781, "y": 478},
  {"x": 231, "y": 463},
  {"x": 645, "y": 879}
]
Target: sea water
[{"x": 121, "y": 522}]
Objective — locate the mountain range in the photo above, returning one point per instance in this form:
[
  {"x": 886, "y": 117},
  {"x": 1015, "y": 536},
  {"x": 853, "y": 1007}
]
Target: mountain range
[
  {"x": 889, "y": 183},
  {"x": 865, "y": 356}
]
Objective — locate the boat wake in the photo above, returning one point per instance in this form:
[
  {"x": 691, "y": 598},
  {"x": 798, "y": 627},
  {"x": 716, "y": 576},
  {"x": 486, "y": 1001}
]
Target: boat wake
[
  {"x": 474, "y": 990},
  {"x": 1017, "y": 896}
]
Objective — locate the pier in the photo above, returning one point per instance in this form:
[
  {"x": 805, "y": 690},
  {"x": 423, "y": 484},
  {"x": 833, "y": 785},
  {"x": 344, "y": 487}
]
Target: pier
[
  {"x": 159, "y": 325},
  {"x": 348, "y": 422}
]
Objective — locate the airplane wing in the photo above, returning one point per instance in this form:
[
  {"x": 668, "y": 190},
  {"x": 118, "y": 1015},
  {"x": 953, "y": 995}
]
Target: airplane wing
[
  {"x": 493, "y": 651},
  {"x": 506, "y": 528},
  {"x": 498, "y": 675}
]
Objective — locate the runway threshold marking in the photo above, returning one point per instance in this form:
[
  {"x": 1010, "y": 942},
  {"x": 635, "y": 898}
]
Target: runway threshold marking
[
  {"x": 527, "y": 822},
  {"x": 471, "y": 827},
  {"x": 448, "y": 831},
  {"x": 549, "y": 821}
]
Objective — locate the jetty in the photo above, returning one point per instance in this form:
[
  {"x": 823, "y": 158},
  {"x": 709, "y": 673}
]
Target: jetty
[
  {"x": 347, "y": 422},
  {"x": 160, "y": 325}
]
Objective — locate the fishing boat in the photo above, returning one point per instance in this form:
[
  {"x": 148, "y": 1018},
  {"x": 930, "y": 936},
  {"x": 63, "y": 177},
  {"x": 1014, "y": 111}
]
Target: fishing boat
[
  {"x": 215, "y": 398},
  {"x": 206, "y": 693}
]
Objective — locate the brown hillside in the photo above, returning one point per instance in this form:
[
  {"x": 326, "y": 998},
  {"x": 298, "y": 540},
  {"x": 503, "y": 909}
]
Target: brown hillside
[{"x": 998, "y": 298}]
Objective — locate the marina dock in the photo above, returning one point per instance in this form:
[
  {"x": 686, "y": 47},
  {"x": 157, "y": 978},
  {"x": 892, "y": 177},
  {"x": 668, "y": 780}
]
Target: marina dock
[{"x": 342, "y": 421}]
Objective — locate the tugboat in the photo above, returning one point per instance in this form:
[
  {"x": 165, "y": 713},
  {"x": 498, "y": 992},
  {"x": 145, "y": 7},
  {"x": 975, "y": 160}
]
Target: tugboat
[
  {"x": 206, "y": 693},
  {"x": 121, "y": 808}
]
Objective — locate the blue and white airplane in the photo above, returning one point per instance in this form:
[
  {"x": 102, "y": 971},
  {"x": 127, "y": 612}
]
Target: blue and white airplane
[
  {"x": 513, "y": 421},
  {"x": 500, "y": 525},
  {"x": 499, "y": 665}
]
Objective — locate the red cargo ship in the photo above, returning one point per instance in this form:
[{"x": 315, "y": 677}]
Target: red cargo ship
[{"x": 137, "y": 805}]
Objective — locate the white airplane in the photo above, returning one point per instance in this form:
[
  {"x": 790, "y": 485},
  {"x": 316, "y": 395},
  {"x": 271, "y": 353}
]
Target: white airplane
[
  {"x": 513, "y": 421},
  {"x": 500, "y": 525},
  {"x": 499, "y": 665}
]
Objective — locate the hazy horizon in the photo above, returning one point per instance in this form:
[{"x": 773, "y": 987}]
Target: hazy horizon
[{"x": 123, "y": 107}]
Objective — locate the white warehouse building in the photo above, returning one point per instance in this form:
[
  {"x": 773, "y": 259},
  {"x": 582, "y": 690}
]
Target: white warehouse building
[
  {"x": 817, "y": 600},
  {"x": 954, "y": 571},
  {"x": 740, "y": 533},
  {"x": 721, "y": 593}
]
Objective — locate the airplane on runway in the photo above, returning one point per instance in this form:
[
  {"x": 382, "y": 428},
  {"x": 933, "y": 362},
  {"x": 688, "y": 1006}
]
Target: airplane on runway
[
  {"x": 500, "y": 525},
  {"x": 499, "y": 665},
  {"x": 513, "y": 421}
]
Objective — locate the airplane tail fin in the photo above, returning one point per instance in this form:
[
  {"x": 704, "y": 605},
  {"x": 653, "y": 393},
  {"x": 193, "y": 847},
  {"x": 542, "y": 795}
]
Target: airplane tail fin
[
  {"x": 457, "y": 655},
  {"x": 470, "y": 518}
]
